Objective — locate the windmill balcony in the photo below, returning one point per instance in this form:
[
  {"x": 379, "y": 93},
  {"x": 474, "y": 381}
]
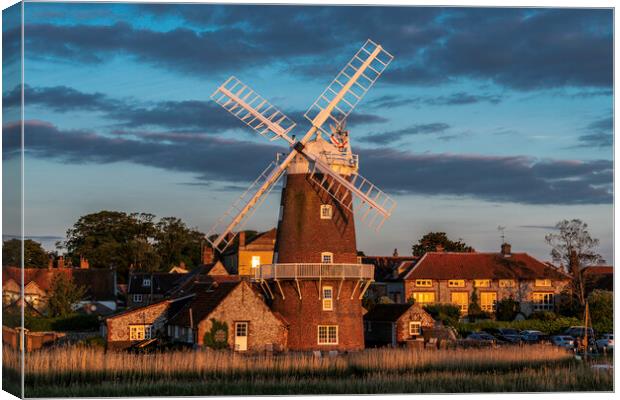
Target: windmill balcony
[{"x": 314, "y": 271}]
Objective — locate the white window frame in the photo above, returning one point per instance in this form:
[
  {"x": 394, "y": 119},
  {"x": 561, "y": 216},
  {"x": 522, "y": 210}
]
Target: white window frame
[
  {"x": 146, "y": 282},
  {"x": 255, "y": 261},
  {"x": 543, "y": 282},
  {"x": 543, "y": 301},
  {"x": 328, "y": 298},
  {"x": 456, "y": 283},
  {"x": 137, "y": 298},
  {"x": 482, "y": 282},
  {"x": 424, "y": 283},
  {"x": 415, "y": 328},
  {"x": 424, "y": 294},
  {"x": 488, "y": 307},
  {"x": 329, "y": 337},
  {"x": 329, "y": 255},
  {"x": 326, "y": 211},
  {"x": 507, "y": 283}
]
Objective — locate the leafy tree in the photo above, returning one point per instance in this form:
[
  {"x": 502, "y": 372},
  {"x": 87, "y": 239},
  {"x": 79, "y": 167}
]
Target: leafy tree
[
  {"x": 575, "y": 249},
  {"x": 176, "y": 243},
  {"x": 601, "y": 303},
  {"x": 506, "y": 309},
  {"x": 449, "y": 314},
  {"x": 432, "y": 240},
  {"x": 34, "y": 255},
  {"x": 63, "y": 295}
]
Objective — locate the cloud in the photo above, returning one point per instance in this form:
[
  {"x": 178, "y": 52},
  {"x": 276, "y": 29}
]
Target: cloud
[
  {"x": 524, "y": 49},
  {"x": 395, "y": 135},
  {"x": 455, "y": 99},
  {"x": 506, "y": 179},
  {"x": 600, "y": 134},
  {"x": 515, "y": 179}
]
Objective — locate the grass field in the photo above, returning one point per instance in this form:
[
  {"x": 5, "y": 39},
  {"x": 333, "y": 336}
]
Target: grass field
[{"x": 90, "y": 372}]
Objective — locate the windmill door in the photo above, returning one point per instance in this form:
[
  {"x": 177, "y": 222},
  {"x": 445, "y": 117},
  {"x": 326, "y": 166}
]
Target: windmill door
[{"x": 241, "y": 336}]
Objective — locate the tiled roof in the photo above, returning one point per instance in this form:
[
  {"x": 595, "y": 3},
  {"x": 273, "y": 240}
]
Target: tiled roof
[
  {"x": 161, "y": 282},
  {"x": 173, "y": 307},
  {"x": 99, "y": 282},
  {"x": 264, "y": 238},
  {"x": 448, "y": 265},
  {"x": 207, "y": 297},
  {"x": 387, "y": 312},
  {"x": 598, "y": 270},
  {"x": 385, "y": 266}
]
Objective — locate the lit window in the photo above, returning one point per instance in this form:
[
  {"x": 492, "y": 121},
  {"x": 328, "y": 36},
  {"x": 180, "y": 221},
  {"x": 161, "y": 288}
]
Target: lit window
[
  {"x": 415, "y": 328},
  {"x": 542, "y": 301},
  {"x": 482, "y": 282},
  {"x": 461, "y": 300},
  {"x": 456, "y": 283},
  {"x": 328, "y": 334},
  {"x": 423, "y": 282},
  {"x": 488, "y": 300},
  {"x": 507, "y": 283},
  {"x": 543, "y": 282},
  {"x": 328, "y": 298},
  {"x": 255, "y": 261},
  {"x": 146, "y": 282},
  {"x": 137, "y": 298},
  {"x": 326, "y": 211},
  {"x": 424, "y": 297},
  {"x": 327, "y": 258},
  {"x": 139, "y": 332}
]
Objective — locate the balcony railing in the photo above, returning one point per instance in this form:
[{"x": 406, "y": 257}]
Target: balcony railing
[{"x": 315, "y": 271}]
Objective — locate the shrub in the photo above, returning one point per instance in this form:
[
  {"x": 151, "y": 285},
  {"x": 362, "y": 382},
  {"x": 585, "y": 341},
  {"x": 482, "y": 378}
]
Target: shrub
[
  {"x": 217, "y": 336},
  {"x": 75, "y": 322},
  {"x": 506, "y": 309},
  {"x": 556, "y": 326},
  {"x": 449, "y": 314},
  {"x": 601, "y": 303},
  {"x": 544, "y": 316}
]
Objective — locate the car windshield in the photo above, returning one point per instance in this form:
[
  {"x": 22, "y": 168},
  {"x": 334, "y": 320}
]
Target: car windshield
[{"x": 510, "y": 332}]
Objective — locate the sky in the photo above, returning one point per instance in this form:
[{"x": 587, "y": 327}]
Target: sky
[{"x": 486, "y": 116}]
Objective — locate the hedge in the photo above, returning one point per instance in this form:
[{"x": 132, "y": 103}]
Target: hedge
[
  {"x": 550, "y": 327},
  {"x": 75, "y": 322}
]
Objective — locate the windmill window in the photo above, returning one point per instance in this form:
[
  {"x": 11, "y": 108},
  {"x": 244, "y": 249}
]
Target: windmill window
[
  {"x": 326, "y": 211},
  {"x": 327, "y": 258},
  {"x": 328, "y": 298},
  {"x": 327, "y": 334}
]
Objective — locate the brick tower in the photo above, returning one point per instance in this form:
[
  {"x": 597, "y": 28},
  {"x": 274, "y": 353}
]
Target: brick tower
[{"x": 315, "y": 281}]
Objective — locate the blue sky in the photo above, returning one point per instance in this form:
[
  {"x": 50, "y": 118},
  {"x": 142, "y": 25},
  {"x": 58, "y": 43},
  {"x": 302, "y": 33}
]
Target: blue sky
[{"x": 486, "y": 117}]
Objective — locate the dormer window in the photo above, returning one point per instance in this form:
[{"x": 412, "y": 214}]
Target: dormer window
[
  {"x": 326, "y": 211},
  {"x": 146, "y": 282}
]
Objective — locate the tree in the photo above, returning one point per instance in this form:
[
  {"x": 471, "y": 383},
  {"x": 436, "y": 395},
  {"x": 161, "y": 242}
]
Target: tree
[
  {"x": 575, "y": 249},
  {"x": 34, "y": 255},
  {"x": 176, "y": 243},
  {"x": 601, "y": 304},
  {"x": 432, "y": 240},
  {"x": 506, "y": 309},
  {"x": 63, "y": 295}
]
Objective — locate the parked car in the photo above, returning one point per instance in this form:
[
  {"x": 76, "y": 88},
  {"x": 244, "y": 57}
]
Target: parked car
[
  {"x": 568, "y": 342},
  {"x": 505, "y": 334},
  {"x": 579, "y": 332},
  {"x": 605, "y": 342},
  {"x": 531, "y": 336},
  {"x": 481, "y": 339}
]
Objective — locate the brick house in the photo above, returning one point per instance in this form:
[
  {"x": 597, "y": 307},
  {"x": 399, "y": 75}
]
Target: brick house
[
  {"x": 250, "y": 324},
  {"x": 100, "y": 285},
  {"x": 599, "y": 277},
  {"x": 248, "y": 255},
  {"x": 445, "y": 277},
  {"x": 395, "y": 324}
]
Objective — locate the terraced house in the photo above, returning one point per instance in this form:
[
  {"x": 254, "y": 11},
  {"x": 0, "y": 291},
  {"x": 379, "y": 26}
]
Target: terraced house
[{"x": 445, "y": 277}]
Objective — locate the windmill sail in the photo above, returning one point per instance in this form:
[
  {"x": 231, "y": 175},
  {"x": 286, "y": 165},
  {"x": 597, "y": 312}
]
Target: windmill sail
[
  {"x": 256, "y": 112},
  {"x": 375, "y": 204},
  {"x": 356, "y": 78},
  {"x": 244, "y": 207}
]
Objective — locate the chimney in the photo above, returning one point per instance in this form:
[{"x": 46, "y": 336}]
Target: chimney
[
  {"x": 84, "y": 263},
  {"x": 506, "y": 248},
  {"x": 395, "y": 254},
  {"x": 61, "y": 262},
  {"x": 207, "y": 255},
  {"x": 439, "y": 248},
  {"x": 241, "y": 239}
]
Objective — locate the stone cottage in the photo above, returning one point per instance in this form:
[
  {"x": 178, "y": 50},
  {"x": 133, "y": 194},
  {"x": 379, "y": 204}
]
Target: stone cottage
[{"x": 395, "y": 324}]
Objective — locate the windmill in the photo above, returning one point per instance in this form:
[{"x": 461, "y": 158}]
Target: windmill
[{"x": 315, "y": 267}]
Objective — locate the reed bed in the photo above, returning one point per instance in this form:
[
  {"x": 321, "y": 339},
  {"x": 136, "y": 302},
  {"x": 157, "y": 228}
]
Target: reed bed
[{"x": 65, "y": 371}]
